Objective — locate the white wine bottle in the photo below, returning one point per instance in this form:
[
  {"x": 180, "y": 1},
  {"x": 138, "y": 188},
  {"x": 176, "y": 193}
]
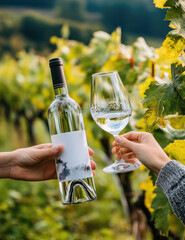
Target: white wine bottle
[{"x": 67, "y": 127}]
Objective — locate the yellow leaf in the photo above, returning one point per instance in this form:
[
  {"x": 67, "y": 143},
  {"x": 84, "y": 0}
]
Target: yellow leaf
[
  {"x": 144, "y": 86},
  {"x": 117, "y": 62},
  {"x": 163, "y": 61},
  {"x": 45, "y": 93},
  {"x": 116, "y": 36},
  {"x": 152, "y": 118},
  {"x": 111, "y": 64},
  {"x": 142, "y": 168},
  {"x": 65, "y": 31},
  {"x": 177, "y": 122},
  {"x": 73, "y": 74},
  {"x": 4, "y": 206},
  {"x": 141, "y": 124},
  {"x": 176, "y": 150},
  {"x": 174, "y": 223},
  {"x": 172, "y": 26},
  {"x": 53, "y": 40},
  {"x": 159, "y": 3},
  {"x": 173, "y": 47},
  {"x": 161, "y": 122},
  {"x": 148, "y": 187}
]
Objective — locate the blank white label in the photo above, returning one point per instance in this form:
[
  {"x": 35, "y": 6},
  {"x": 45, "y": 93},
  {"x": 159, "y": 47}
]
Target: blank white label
[{"x": 74, "y": 161}]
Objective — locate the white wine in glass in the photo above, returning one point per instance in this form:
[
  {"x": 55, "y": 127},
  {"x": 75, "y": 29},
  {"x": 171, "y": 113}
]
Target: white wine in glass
[{"x": 111, "y": 110}]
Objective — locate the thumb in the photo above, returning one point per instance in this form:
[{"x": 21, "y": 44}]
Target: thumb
[
  {"x": 49, "y": 152},
  {"x": 123, "y": 142}
]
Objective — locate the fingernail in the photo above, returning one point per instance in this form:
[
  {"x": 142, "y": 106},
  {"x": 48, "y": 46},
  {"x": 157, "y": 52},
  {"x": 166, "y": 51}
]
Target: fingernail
[
  {"x": 92, "y": 150},
  {"x": 58, "y": 147},
  {"x": 118, "y": 139}
]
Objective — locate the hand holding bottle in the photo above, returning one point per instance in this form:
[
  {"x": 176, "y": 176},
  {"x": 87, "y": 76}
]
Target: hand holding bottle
[
  {"x": 33, "y": 163},
  {"x": 140, "y": 146}
]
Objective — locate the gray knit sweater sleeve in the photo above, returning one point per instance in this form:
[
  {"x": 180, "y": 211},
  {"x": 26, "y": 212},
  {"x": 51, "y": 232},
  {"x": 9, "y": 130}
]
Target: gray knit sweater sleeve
[{"x": 171, "y": 180}]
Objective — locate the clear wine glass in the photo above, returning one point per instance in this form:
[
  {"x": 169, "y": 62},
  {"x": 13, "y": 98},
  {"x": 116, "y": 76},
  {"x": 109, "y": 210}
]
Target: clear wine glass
[{"x": 111, "y": 110}]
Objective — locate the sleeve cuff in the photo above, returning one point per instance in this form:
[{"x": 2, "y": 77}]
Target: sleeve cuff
[{"x": 169, "y": 175}]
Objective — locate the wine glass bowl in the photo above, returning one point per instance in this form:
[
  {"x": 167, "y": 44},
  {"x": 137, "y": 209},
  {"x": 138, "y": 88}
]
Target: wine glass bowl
[{"x": 111, "y": 110}]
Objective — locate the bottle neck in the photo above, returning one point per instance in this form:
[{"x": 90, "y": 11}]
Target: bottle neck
[
  {"x": 61, "y": 91},
  {"x": 58, "y": 77}
]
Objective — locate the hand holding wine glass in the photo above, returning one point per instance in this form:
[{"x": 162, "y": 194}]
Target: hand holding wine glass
[
  {"x": 142, "y": 146},
  {"x": 111, "y": 110}
]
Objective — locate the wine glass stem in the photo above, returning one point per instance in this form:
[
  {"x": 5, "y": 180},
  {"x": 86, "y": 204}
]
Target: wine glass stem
[{"x": 121, "y": 160}]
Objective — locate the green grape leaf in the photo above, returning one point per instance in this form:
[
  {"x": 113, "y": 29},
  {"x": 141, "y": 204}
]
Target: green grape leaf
[
  {"x": 161, "y": 211},
  {"x": 131, "y": 76},
  {"x": 174, "y": 44},
  {"x": 165, "y": 99},
  {"x": 167, "y": 135},
  {"x": 178, "y": 76},
  {"x": 177, "y": 18},
  {"x": 153, "y": 177},
  {"x": 160, "y": 200}
]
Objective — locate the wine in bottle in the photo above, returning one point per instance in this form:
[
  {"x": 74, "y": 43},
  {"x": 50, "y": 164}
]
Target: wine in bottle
[{"x": 67, "y": 127}]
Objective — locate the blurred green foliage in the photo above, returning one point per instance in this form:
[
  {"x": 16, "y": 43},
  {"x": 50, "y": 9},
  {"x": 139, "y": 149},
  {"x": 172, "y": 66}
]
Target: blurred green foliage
[
  {"x": 24, "y": 29},
  {"x": 40, "y": 28},
  {"x": 34, "y": 211},
  {"x": 64, "y": 9},
  {"x": 32, "y": 30},
  {"x": 31, "y": 3}
]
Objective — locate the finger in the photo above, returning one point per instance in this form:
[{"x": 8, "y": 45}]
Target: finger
[
  {"x": 41, "y": 146},
  {"x": 123, "y": 142},
  {"x": 129, "y": 156},
  {"x": 134, "y": 136},
  {"x": 44, "y": 171},
  {"x": 93, "y": 172},
  {"x": 124, "y": 151},
  {"x": 121, "y": 150},
  {"x": 50, "y": 171},
  {"x": 93, "y": 165},
  {"x": 91, "y": 152},
  {"x": 131, "y": 160},
  {"x": 119, "y": 156},
  {"x": 54, "y": 176},
  {"x": 50, "y": 152},
  {"x": 131, "y": 136},
  {"x": 115, "y": 150},
  {"x": 114, "y": 144}
]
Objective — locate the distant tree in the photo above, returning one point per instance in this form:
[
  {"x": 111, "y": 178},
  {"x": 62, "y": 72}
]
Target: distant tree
[
  {"x": 28, "y": 3},
  {"x": 134, "y": 20},
  {"x": 71, "y": 9}
]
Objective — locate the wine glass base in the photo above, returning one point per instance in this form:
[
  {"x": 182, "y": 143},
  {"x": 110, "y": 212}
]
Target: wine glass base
[{"x": 121, "y": 167}]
